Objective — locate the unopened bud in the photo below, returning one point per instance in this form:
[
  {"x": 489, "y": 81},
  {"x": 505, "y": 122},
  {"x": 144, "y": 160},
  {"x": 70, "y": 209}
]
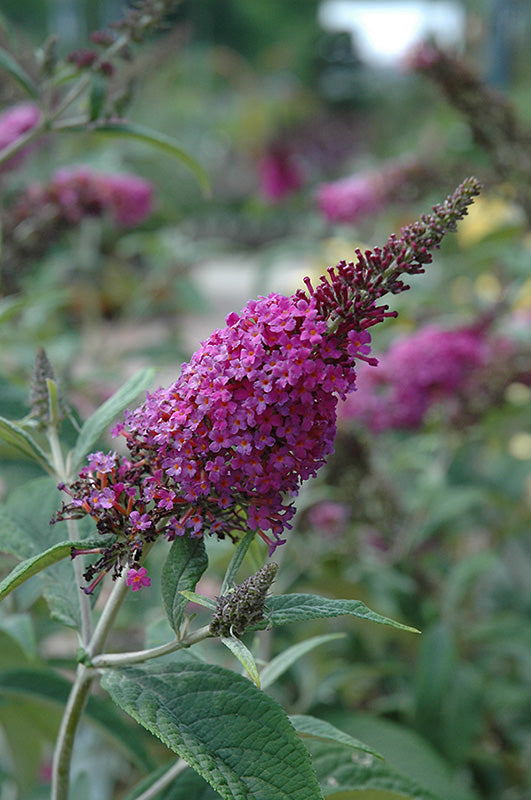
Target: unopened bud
[
  {"x": 244, "y": 606},
  {"x": 39, "y": 391}
]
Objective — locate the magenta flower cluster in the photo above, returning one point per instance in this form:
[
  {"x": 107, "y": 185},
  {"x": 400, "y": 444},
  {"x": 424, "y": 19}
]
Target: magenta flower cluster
[
  {"x": 422, "y": 370},
  {"x": 76, "y": 192},
  {"x": 253, "y": 414},
  {"x": 250, "y": 417},
  {"x": 14, "y": 123}
]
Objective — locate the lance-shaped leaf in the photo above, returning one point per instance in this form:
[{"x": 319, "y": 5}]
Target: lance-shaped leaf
[
  {"x": 200, "y": 599},
  {"x": 244, "y": 656},
  {"x": 31, "y": 566},
  {"x": 313, "y": 728},
  {"x": 107, "y": 413},
  {"x": 15, "y": 436},
  {"x": 161, "y": 141},
  {"x": 43, "y": 684},
  {"x": 186, "y": 562},
  {"x": 286, "y": 608},
  {"x": 236, "y": 562},
  {"x": 12, "y": 66},
  {"x": 278, "y": 665},
  {"x": 97, "y": 97},
  {"x": 237, "y": 738}
]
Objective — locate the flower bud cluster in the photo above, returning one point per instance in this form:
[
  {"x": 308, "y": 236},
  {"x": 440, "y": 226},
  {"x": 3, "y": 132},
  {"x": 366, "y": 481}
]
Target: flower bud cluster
[
  {"x": 351, "y": 291},
  {"x": 244, "y": 606},
  {"x": 493, "y": 120},
  {"x": 86, "y": 58},
  {"x": 39, "y": 393}
]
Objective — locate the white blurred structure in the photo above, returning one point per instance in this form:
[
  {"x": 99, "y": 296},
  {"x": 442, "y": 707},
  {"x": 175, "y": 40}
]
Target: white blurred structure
[{"x": 383, "y": 31}]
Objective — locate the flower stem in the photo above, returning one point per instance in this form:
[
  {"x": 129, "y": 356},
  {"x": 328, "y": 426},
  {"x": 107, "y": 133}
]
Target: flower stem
[
  {"x": 79, "y": 694},
  {"x": 65, "y": 740},
  {"x": 107, "y": 617},
  {"x": 61, "y": 473},
  {"x": 138, "y": 656}
]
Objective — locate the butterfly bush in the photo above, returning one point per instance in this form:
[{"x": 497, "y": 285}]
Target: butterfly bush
[
  {"x": 225, "y": 449},
  {"x": 456, "y": 368},
  {"x": 14, "y": 123}
]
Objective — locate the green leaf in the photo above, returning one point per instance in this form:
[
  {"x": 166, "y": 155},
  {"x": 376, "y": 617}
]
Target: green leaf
[
  {"x": 339, "y": 771},
  {"x": 97, "y": 97},
  {"x": 236, "y": 737},
  {"x": 244, "y": 656},
  {"x": 25, "y": 532},
  {"x": 13, "y": 536},
  {"x": 15, "y": 436},
  {"x": 43, "y": 684},
  {"x": 186, "y": 562},
  {"x": 236, "y": 562},
  {"x": 107, "y": 413},
  {"x": 21, "y": 724},
  {"x": 20, "y": 627},
  {"x": 59, "y": 589},
  {"x": 436, "y": 667},
  {"x": 462, "y": 577},
  {"x": 31, "y": 566},
  {"x": 7, "y": 27},
  {"x": 313, "y": 728},
  {"x": 286, "y": 608},
  {"x": 12, "y": 66},
  {"x": 278, "y": 665},
  {"x": 10, "y": 306},
  {"x": 406, "y": 753},
  {"x": 200, "y": 599},
  {"x": 159, "y": 140}
]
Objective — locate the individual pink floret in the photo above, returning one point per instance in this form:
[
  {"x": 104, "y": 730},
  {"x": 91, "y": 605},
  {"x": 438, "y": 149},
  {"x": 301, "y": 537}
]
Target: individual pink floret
[{"x": 137, "y": 578}]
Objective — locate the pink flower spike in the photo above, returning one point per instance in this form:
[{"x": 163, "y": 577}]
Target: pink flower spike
[{"x": 136, "y": 578}]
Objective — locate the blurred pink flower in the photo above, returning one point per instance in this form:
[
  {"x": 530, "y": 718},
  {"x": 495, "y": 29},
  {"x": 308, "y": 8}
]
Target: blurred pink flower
[
  {"x": 15, "y": 122},
  {"x": 350, "y": 199},
  {"x": 430, "y": 366},
  {"x": 279, "y": 174},
  {"x": 76, "y": 192},
  {"x": 329, "y": 517},
  {"x": 82, "y": 190}
]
